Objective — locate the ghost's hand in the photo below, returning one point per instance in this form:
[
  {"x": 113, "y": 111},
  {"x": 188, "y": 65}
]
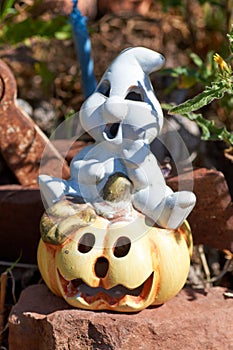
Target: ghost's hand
[{"x": 87, "y": 172}]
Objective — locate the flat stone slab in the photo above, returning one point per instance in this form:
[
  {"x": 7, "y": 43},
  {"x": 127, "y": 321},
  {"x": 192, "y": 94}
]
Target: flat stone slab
[{"x": 191, "y": 320}]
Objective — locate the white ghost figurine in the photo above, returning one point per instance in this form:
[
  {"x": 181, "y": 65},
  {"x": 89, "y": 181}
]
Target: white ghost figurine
[{"x": 124, "y": 116}]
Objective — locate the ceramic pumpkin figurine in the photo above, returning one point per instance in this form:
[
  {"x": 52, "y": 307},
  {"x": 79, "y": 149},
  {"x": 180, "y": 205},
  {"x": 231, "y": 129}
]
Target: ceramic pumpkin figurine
[
  {"x": 114, "y": 235},
  {"x": 119, "y": 261}
]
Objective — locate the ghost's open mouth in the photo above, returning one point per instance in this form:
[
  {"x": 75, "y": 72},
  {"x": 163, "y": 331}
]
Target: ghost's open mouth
[
  {"x": 77, "y": 289},
  {"x": 111, "y": 130}
]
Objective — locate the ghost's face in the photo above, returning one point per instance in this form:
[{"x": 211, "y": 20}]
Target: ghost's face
[{"x": 124, "y": 105}]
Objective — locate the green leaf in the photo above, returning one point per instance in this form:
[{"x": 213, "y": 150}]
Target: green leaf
[
  {"x": 196, "y": 59},
  {"x": 15, "y": 33},
  {"x": 7, "y": 7},
  {"x": 201, "y": 100},
  {"x": 176, "y": 72},
  {"x": 209, "y": 130}
]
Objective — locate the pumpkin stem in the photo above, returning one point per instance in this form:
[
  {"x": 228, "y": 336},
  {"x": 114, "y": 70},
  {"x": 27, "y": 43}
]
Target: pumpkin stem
[{"x": 63, "y": 219}]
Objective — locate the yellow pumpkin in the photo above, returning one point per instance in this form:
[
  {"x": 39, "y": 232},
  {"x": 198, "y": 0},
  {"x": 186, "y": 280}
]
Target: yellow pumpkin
[{"x": 122, "y": 264}]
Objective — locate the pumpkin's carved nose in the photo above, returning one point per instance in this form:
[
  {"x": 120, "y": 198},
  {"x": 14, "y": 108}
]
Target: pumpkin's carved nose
[{"x": 101, "y": 267}]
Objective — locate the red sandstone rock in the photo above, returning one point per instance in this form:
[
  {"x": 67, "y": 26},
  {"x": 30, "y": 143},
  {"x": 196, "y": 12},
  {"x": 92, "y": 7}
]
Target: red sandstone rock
[
  {"x": 191, "y": 320},
  {"x": 21, "y": 210},
  {"x": 212, "y": 218}
]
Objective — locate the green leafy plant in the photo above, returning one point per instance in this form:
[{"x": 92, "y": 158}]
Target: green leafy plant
[
  {"x": 202, "y": 72},
  {"x": 14, "y": 32},
  {"x": 220, "y": 86},
  {"x": 20, "y": 25}
]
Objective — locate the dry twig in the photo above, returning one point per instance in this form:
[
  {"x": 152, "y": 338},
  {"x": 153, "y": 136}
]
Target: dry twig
[
  {"x": 228, "y": 266},
  {"x": 2, "y": 302}
]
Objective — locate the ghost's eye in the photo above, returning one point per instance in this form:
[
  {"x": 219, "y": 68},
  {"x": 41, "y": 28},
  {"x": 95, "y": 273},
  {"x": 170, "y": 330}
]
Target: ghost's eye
[
  {"x": 104, "y": 88},
  {"x": 135, "y": 94}
]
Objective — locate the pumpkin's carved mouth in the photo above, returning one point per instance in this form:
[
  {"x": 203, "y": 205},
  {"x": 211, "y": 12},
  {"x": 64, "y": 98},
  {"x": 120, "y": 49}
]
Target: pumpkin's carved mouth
[{"x": 77, "y": 288}]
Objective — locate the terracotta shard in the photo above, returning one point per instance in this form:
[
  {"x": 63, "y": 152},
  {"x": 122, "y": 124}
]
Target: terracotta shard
[{"x": 22, "y": 143}]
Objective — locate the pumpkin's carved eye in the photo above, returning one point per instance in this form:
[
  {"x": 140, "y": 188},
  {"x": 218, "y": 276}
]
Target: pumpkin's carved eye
[
  {"x": 121, "y": 247},
  {"x": 86, "y": 243}
]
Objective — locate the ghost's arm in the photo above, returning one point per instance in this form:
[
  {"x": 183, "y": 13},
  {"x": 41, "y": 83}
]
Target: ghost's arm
[
  {"x": 85, "y": 169},
  {"x": 155, "y": 199},
  {"x": 134, "y": 153}
]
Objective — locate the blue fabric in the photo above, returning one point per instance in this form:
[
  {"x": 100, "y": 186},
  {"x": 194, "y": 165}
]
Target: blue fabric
[{"x": 82, "y": 44}]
